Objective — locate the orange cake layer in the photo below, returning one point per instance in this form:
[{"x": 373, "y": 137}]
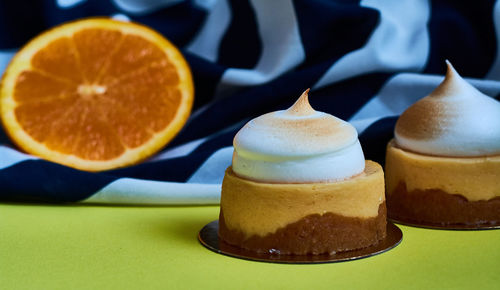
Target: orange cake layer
[
  {"x": 474, "y": 178},
  {"x": 258, "y": 209},
  {"x": 314, "y": 234}
]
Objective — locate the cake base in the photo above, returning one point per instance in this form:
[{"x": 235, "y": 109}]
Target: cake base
[
  {"x": 314, "y": 234},
  {"x": 435, "y": 208},
  {"x": 208, "y": 237}
]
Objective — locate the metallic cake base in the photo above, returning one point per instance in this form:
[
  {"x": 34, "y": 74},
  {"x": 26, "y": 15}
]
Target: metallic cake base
[
  {"x": 208, "y": 237},
  {"x": 443, "y": 227}
]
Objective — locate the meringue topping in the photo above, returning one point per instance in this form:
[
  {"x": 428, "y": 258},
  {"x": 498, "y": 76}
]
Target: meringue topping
[
  {"x": 297, "y": 145},
  {"x": 454, "y": 120}
]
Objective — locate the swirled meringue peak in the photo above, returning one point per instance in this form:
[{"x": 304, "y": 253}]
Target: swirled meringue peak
[
  {"x": 455, "y": 120},
  {"x": 298, "y": 145}
]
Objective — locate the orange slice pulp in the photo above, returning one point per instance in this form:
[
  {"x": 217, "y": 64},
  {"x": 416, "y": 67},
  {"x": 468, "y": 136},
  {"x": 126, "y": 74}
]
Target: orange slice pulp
[{"x": 96, "y": 94}]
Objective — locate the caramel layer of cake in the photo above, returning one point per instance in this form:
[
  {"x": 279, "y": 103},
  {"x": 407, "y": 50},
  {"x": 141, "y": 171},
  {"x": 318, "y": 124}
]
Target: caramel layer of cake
[
  {"x": 438, "y": 207},
  {"x": 257, "y": 214},
  {"x": 442, "y": 190},
  {"x": 475, "y": 178},
  {"x": 313, "y": 234}
]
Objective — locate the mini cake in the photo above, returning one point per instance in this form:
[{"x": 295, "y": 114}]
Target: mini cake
[
  {"x": 299, "y": 184},
  {"x": 443, "y": 165}
]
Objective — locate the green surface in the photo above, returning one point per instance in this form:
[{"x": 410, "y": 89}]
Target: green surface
[{"x": 97, "y": 247}]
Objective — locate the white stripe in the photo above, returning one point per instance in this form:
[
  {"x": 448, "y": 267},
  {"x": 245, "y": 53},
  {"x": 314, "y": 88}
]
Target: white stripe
[
  {"x": 206, "y": 4},
  {"x": 281, "y": 46},
  {"x": 9, "y": 157},
  {"x": 494, "y": 73},
  {"x": 212, "y": 170},
  {"x": 148, "y": 192},
  {"x": 65, "y": 4},
  {"x": 143, "y": 7},
  {"x": 5, "y": 57},
  {"x": 121, "y": 17},
  {"x": 206, "y": 43},
  {"x": 400, "y": 42},
  {"x": 403, "y": 90}
]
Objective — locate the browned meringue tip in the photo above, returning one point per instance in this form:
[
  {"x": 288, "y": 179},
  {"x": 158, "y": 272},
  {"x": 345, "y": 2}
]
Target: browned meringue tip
[
  {"x": 450, "y": 84},
  {"x": 450, "y": 70},
  {"x": 455, "y": 119},
  {"x": 302, "y": 107}
]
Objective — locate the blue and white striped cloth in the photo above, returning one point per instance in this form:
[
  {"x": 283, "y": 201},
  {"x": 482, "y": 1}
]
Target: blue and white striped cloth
[{"x": 365, "y": 61}]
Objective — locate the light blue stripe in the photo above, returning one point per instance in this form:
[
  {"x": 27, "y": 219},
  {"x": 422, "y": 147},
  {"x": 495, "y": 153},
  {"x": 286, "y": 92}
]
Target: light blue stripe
[
  {"x": 144, "y": 7},
  {"x": 494, "y": 72},
  {"x": 148, "y": 192},
  {"x": 66, "y": 4},
  {"x": 213, "y": 169},
  {"x": 9, "y": 157},
  {"x": 207, "y": 41},
  {"x": 5, "y": 57}
]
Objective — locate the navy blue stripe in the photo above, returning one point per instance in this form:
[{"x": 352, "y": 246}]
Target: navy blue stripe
[
  {"x": 54, "y": 15},
  {"x": 241, "y": 46},
  {"x": 206, "y": 76},
  {"x": 375, "y": 138},
  {"x": 4, "y": 139},
  {"x": 329, "y": 29},
  {"x": 39, "y": 180},
  {"x": 462, "y": 32},
  {"x": 179, "y": 23},
  {"x": 27, "y": 22}
]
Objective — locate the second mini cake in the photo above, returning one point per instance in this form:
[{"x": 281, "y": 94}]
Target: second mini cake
[
  {"x": 443, "y": 166},
  {"x": 299, "y": 185}
]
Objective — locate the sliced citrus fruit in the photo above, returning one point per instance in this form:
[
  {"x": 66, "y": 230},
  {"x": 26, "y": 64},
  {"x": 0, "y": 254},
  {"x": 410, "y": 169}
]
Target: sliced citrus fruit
[{"x": 96, "y": 94}]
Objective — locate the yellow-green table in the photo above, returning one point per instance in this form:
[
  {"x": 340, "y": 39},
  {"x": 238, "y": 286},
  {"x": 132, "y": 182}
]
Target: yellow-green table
[{"x": 98, "y": 247}]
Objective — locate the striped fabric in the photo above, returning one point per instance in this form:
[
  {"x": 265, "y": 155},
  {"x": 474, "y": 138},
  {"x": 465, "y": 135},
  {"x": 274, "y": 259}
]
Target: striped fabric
[{"x": 365, "y": 61}]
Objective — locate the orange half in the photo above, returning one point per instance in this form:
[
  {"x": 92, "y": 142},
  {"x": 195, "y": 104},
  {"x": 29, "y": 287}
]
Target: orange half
[{"x": 96, "y": 94}]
